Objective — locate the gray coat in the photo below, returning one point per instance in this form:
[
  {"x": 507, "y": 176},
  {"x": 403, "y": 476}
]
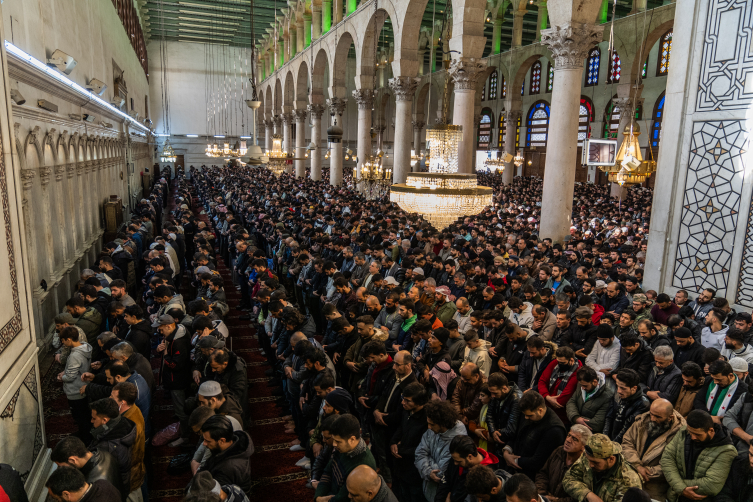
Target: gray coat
[
  {"x": 78, "y": 362},
  {"x": 594, "y": 409},
  {"x": 739, "y": 416}
]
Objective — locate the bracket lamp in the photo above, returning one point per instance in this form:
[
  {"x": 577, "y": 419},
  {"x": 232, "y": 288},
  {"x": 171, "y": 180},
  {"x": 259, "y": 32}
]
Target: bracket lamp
[
  {"x": 96, "y": 86},
  {"x": 62, "y": 61},
  {"x": 17, "y": 97}
]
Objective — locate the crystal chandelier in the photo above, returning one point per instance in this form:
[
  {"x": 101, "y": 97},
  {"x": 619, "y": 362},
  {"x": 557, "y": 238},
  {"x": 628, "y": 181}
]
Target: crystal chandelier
[
  {"x": 518, "y": 160},
  {"x": 278, "y": 159},
  {"x": 629, "y": 167},
  {"x": 212, "y": 150},
  {"x": 373, "y": 177},
  {"x": 414, "y": 158},
  {"x": 167, "y": 154},
  {"x": 495, "y": 164},
  {"x": 442, "y": 195}
]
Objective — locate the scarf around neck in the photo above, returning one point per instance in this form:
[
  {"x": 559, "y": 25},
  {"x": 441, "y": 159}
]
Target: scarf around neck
[
  {"x": 562, "y": 376},
  {"x": 720, "y": 407}
]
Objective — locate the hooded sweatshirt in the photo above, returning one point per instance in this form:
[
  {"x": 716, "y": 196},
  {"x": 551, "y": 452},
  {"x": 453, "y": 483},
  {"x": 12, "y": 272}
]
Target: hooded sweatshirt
[
  {"x": 525, "y": 318},
  {"x": 604, "y": 357},
  {"x": 480, "y": 357},
  {"x": 434, "y": 453},
  {"x": 714, "y": 340},
  {"x": 78, "y": 363}
]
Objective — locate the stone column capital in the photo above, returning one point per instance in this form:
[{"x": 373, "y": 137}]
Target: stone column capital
[
  {"x": 512, "y": 116},
  {"x": 70, "y": 169},
  {"x": 465, "y": 72},
  {"x": 622, "y": 103},
  {"x": 518, "y": 14},
  {"x": 287, "y": 118},
  {"x": 268, "y": 123},
  {"x": 300, "y": 114},
  {"x": 59, "y": 171},
  {"x": 277, "y": 121},
  {"x": 404, "y": 88},
  {"x": 418, "y": 124},
  {"x": 364, "y": 98},
  {"x": 380, "y": 128},
  {"x": 571, "y": 42},
  {"x": 316, "y": 111},
  {"x": 337, "y": 105}
]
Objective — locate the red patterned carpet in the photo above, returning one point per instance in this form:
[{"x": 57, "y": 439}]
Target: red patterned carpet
[{"x": 273, "y": 465}]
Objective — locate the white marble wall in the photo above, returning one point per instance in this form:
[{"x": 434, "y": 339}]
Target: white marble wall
[{"x": 701, "y": 227}]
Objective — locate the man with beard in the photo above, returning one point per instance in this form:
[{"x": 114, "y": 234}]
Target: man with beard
[
  {"x": 721, "y": 391},
  {"x": 703, "y": 304},
  {"x": 686, "y": 348},
  {"x": 735, "y": 346},
  {"x": 632, "y": 403},
  {"x": 465, "y": 455},
  {"x": 739, "y": 484},
  {"x": 692, "y": 382},
  {"x": 387, "y": 319},
  {"x": 697, "y": 461},
  {"x": 549, "y": 478},
  {"x": 645, "y": 441},
  {"x": 602, "y": 474}
]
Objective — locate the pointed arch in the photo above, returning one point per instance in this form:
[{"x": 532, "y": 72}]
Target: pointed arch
[
  {"x": 493, "y": 85},
  {"x": 502, "y": 128}
]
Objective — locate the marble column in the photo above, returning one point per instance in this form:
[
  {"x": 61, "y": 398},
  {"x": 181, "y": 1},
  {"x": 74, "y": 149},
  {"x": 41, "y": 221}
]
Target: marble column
[
  {"x": 421, "y": 57},
  {"x": 465, "y": 73},
  {"x": 365, "y": 100},
  {"x": 541, "y": 19},
  {"x": 287, "y": 137},
  {"x": 497, "y": 34},
  {"x": 316, "y": 112},
  {"x": 307, "y": 30},
  {"x": 277, "y": 122},
  {"x": 268, "y": 133},
  {"x": 511, "y": 122},
  {"x": 569, "y": 44},
  {"x": 285, "y": 48},
  {"x": 326, "y": 15},
  {"x": 316, "y": 21},
  {"x": 300, "y": 36},
  {"x": 336, "y": 108},
  {"x": 639, "y": 6},
  {"x": 337, "y": 11},
  {"x": 517, "y": 28},
  {"x": 300, "y": 142},
  {"x": 418, "y": 127},
  {"x": 404, "y": 89}
]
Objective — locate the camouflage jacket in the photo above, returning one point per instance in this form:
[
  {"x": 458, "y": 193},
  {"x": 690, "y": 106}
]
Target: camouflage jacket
[{"x": 579, "y": 481}]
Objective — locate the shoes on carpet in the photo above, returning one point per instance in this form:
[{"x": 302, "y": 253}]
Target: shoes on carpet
[
  {"x": 297, "y": 447},
  {"x": 304, "y": 462},
  {"x": 294, "y": 442}
]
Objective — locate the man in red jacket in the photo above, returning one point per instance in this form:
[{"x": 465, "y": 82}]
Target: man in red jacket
[{"x": 558, "y": 381}]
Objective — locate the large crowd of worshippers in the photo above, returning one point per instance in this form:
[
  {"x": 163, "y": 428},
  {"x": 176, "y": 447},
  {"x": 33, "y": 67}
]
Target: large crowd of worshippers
[{"x": 414, "y": 364}]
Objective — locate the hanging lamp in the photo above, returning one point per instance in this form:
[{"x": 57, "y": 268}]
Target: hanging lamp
[
  {"x": 629, "y": 167},
  {"x": 278, "y": 159}
]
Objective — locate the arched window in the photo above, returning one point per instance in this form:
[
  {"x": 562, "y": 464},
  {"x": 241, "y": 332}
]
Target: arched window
[
  {"x": 485, "y": 129},
  {"x": 550, "y": 77},
  {"x": 615, "y": 68},
  {"x": 483, "y": 92},
  {"x": 523, "y": 88},
  {"x": 665, "y": 51},
  {"x": 502, "y": 129},
  {"x": 612, "y": 119},
  {"x": 517, "y": 133},
  {"x": 493, "y": 85},
  {"x": 537, "y": 124},
  {"x": 592, "y": 68},
  {"x": 586, "y": 116},
  {"x": 504, "y": 87},
  {"x": 655, "y": 137},
  {"x": 535, "y": 78},
  {"x": 644, "y": 71}
]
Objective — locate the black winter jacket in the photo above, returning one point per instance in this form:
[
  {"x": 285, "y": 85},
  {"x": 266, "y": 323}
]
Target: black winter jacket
[
  {"x": 231, "y": 467},
  {"x": 641, "y": 361},
  {"x": 622, "y": 413},
  {"x": 668, "y": 382},
  {"x": 407, "y": 437},
  {"x": 535, "y": 441},
  {"x": 235, "y": 378},
  {"x": 140, "y": 336},
  {"x": 503, "y": 415}
]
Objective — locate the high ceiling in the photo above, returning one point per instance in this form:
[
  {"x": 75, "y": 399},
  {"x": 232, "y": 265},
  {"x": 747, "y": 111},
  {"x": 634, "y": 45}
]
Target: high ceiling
[
  {"x": 229, "y": 21},
  {"x": 205, "y": 21}
]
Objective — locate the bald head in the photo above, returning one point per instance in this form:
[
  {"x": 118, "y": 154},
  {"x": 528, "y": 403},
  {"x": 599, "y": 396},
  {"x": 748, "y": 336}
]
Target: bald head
[
  {"x": 662, "y": 408},
  {"x": 363, "y": 484},
  {"x": 470, "y": 373},
  {"x": 297, "y": 337}
]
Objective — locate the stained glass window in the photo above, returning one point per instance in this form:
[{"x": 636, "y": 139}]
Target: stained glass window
[
  {"x": 665, "y": 50},
  {"x": 612, "y": 122},
  {"x": 523, "y": 89},
  {"x": 537, "y": 125},
  {"x": 550, "y": 78},
  {"x": 592, "y": 68},
  {"x": 615, "y": 69},
  {"x": 502, "y": 129},
  {"x": 485, "y": 129},
  {"x": 504, "y": 87},
  {"x": 586, "y": 116},
  {"x": 493, "y": 85},
  {"x": 535, "y": 78},
  {"x": 644, "y": 71},
  {"x": 517, "y": 133},
  {"x": 656, "y": 126},
  {"x": 483, "y": 92}
]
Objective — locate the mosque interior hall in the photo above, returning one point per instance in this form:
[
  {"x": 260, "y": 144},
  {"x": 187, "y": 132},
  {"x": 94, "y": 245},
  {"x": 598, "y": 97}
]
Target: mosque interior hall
[{"x": 279, "y": 168}]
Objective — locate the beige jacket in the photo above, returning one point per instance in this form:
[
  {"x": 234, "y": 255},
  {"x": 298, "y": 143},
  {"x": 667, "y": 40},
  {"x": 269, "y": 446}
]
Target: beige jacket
[{"x": 634, "y": 442}]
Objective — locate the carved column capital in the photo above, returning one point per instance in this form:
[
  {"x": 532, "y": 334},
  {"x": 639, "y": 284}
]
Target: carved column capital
[
  {"x": 287, "y": 118},
  {"x": 512, "y": 116},
  {"x": 268, "y": 123},
  {"x": 70, "y": 170},
  {"x": 418, "y": 125},
  {"x": 316, "y": 111},
  {"x": 44, "y": 175},
  {"x": 465, "y": 72},
  {"x": 571, "y": 42},
  {"x": 364, "y": 98},
  {"x": 300, "y": 114},
  {"x": 404, "y": 88},
  {"x": 27, "y": 177},
  {"x": 337, "y": 105},
  {"x": 59, "y": 171},
  {"x": 277, "y": 121},
  {"x": 622, "y": 103}
]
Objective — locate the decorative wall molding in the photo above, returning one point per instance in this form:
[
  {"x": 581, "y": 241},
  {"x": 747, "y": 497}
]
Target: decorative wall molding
[
  {"x": 726, "y": 81},
  {"x": 711, "y": 205}
]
